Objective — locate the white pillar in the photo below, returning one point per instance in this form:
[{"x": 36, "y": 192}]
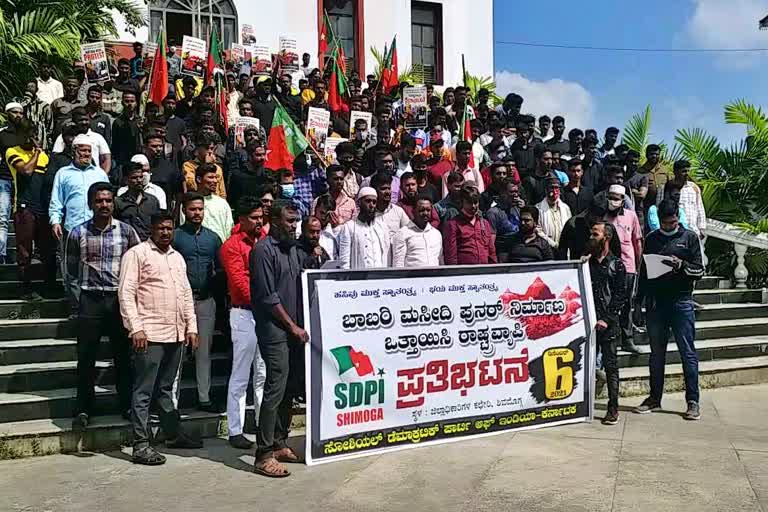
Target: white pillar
[{"x": 740, "y": 273}]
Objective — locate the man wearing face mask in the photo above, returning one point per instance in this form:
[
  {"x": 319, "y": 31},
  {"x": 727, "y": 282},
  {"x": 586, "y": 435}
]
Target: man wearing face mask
[
  {"x": 345, "y": 155},
  {"x": 424, "y": 187},
  {"x": 287, "y": 187},
  {"x": 630, "y": 236},
  {"x": 553, "y": 213},
  {"x": 147, "y": 186},
  {"x": 669, "y": 303},
  {"x": 610, "y": 296},
  {"x": 134, "y": 206}
]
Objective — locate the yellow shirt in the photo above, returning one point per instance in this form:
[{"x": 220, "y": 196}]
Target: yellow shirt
[
  {"x": 190, "y": 167},
  {"x": 17, "y": 154}
]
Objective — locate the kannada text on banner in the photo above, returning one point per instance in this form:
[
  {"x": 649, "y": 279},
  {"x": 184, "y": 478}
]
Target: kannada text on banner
[{"x": 399, "y": 357}]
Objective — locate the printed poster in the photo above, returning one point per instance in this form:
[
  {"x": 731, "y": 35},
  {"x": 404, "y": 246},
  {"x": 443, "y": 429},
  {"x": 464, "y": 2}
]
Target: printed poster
[
  {"x": 247, "y": 35},
  {"x": 194, "y": 53},
  {"x": 356, "y": 115},
  {"x": 242, "y": 123},
  {"x": 318, "y": 121},
  {"x": 415, "y": 107},
  {"x": 237, "y": 54},
  {"x": 148, "y": 57},
  {"x": 288, "y": 54},
  {"x": 94, "y": 57},
  {"x": 400, "y": 358},
  {"x": 330, "y": 148},
  {"x": 261, "y": 60}
]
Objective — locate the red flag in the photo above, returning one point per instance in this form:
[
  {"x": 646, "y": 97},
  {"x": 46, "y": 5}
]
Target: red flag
[
  {"x": 337, "y": 87},
  {"x": 158, "y": 78},
  {"x": 322, "y": 43},
  {"x": 342, "y": 59},
  {"x": 215, "y": 76},
  {"x": 393, "y": 81}
]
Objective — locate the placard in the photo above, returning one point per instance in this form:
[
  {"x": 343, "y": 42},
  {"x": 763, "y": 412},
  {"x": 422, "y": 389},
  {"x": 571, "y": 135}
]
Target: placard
[
  {"x": 354, "y": 116},
  {"x": 318, "y": 121},
  {"x": 288, "y": 54},
  {"x": 148, "y": 57},
  {"x": 261, "y": 60},
  {"x": 193, "y": 56},
  {"x": 242, "y": 123},
  {"x": 247, "y": 34},
  {"x": 237, "y": 54},
  {"x": 330, "y": 148},
  {"x": 94, "y": 58},
  {"x": 415, "y": 107},
  {"x": 400, "y": 358}
]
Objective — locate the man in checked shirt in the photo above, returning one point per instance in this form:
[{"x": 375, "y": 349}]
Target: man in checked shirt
[{"x": 93, "y": 253}]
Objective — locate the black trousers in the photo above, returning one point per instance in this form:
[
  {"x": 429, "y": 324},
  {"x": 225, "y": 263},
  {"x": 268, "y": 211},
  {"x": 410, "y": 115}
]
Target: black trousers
[
  {"x": 276, "y": 405},
  {"x": 607, "y": 342},
  {"x": 99, "y": 315},
  {"x": 158, "y": 364},
  {"x": 625, "y": 318}
]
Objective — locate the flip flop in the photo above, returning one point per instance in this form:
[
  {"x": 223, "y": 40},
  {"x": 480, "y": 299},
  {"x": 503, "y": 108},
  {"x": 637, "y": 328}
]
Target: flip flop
[{"x": 271, "y": 468}]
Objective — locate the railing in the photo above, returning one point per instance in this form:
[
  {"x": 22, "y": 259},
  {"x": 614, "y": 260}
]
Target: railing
[{"x": 741, "y": 240}]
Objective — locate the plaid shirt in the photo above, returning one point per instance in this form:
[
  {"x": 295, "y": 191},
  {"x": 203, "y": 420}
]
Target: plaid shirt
[
  {"x": 309, "y": 185},
  {"x": 692, "y": 204},
  {"x": 93, "y": 257}
]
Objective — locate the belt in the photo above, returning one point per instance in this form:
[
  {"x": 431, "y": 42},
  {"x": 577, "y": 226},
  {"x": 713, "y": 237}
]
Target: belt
[{"x": 246, "y": 307}]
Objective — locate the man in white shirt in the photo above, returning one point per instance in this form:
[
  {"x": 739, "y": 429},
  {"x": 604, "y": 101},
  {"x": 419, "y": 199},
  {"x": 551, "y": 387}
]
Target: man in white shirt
[
  {"x": 553, "y": 213},
  {"x": 324, "y": 211},
  {"x": 102, "y": 155},
  {"x": 149, "y": 187},
  {"x": 48, "y": 88},
  {"x": 364, "y": 241},
  {"x": 394, "y": 216},
  {"x": 418, "y": 244}
]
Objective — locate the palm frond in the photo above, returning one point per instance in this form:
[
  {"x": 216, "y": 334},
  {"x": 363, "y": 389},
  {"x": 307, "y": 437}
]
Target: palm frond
[
  {"x": 741, "y": 112},
  {"x": 637, "y": 131}
]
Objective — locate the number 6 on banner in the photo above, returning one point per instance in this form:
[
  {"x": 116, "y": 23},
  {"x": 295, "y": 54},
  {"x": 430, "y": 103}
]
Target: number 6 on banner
[{"x": 558, "y": 374}]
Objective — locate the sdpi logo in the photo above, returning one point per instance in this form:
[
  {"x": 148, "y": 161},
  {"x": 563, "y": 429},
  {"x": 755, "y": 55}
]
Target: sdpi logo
[{"x": 358, "y": 393}]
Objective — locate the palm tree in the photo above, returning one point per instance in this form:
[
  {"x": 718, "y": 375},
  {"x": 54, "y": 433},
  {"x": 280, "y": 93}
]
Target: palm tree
[
  {"x": 475, "y": 83},
  {"x": 406, "y": 75}
]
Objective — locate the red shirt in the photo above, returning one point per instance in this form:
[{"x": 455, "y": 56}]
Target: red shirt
[
  {"x": 234, "y": 255},
  {"x": 465, "y": 243},
  {"x": 437, "y": 170},
  {"x": 486, "y": 174},
  {"x": 409, "y": 211}
]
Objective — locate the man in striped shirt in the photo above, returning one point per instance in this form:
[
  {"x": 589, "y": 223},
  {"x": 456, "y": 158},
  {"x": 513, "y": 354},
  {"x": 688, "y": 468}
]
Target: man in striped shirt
[{"x": 93, "y": 254}]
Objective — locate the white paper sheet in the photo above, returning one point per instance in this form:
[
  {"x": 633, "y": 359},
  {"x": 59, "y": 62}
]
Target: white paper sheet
[{"x": 655, "y": 267}]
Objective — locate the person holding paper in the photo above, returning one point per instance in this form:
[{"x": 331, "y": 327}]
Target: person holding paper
[
  {"x": 609, "y": 287},
  {"x": 669, "y": 303}
]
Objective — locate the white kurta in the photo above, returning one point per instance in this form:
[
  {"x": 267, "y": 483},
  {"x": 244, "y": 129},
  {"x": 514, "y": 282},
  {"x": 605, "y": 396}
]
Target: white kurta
[{"x": 364, "y": 245}]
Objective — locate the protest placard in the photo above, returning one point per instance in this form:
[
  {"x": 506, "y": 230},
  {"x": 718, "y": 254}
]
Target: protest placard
[
  {"x": 193, "y": 56},
  {"x": 355, "y": 119},
  {"x": 247, "y": 35},
  {"x": 330, "y": 148},
  {"x": 148, "y": 56},
  {"x": 94, "y": 57},
  {"x": 261, "y": 60},
  {"x": 409, "y": 357},
  {"x": 288, "y": 54},
  {"x": 237, "y": 54},
  {"x": 415, "y": 107},
  {"x": 242, "y": 123},
  {"x": 318, "y": 120}
]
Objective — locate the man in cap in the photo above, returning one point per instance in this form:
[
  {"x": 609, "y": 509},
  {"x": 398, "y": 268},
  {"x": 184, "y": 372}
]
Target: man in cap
[
  {"x": 148, "y": 187},
  {"x": 69, "y": 202},
  {"x": 10, "y": 136},
  {"x": 630, "y": 236},
  {"x": 263, "y": 102},
  {"x": 365, "y": 241}
]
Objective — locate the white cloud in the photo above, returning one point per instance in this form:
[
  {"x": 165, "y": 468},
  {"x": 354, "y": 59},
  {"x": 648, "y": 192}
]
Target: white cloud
[
  {"x": 731, "y": 24},
  {"x": 552, "y": 97}
]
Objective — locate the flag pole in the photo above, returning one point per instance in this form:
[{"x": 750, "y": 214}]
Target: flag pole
[{"x": 309, "y": 144}]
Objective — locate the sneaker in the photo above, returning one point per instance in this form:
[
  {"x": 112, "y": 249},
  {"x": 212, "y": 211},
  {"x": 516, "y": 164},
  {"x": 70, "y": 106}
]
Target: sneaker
[
  {"x": 600, "y": 375},
  {"x": 693, "y": 413},
  {"x": 240, "y": 442},
  {"x": 648, "y": 405},
  {"x": 629, "y": 346},
  {"x": 208, "y": 407},
  {"x": 31, "y": 296},
  {"x": 185, "y": 442},
  {"x": 611, "y": 418},
  {"x": 80, "y": 422}
]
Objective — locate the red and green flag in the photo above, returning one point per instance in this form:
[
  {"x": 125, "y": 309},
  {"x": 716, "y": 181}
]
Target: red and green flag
[
  {"x": 465, "y": 131},
  {"x": 337, "y": 88},
  {"x": 393, "y": 82},
  {"x": 158, "y": 77},
  {"x": 324, "y": 37},
  {"x": 215, "y": 77},
  {"x": 285, "y": 141},
  {"x": 348, "y": 358}
]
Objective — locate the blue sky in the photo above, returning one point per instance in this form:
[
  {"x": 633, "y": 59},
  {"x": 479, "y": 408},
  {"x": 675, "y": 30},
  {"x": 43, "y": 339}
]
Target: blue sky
[{"x": 599, "y": 89}]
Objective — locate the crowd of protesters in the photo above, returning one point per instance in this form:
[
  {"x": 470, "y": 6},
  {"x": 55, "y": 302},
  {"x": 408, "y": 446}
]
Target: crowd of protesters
[{"x": 160, "y": 223}]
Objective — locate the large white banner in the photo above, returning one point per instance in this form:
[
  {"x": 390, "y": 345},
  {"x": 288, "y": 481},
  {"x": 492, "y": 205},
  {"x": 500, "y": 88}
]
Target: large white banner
[{"x": 405, "y": 357}]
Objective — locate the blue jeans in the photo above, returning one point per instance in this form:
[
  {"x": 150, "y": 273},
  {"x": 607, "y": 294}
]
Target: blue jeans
[
  {"x": 678, "y": 315},
  {"x": 6, "y": 201}
]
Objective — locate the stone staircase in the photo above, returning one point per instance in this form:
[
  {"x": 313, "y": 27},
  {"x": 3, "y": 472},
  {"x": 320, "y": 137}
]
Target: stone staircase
[{"x": 38, "y": 368}]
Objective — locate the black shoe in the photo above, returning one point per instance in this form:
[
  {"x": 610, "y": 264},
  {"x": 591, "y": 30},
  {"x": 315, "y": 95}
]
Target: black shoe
[
  {"x": 208, "y": 407},
  {"x": 240, "y": 442},
  {"x": 629, "y": 346},
  {"x": 80, "y": 422},
  {"x": 611, "y": 418},
  {"x": 126, "y": 415},
  {"x": 30, "y": 295},
  {"x": 185, "y": 442},
  {"x": 147, "y": 457},
  {"x": 649, "y": 405},
  {"x": 693, "y": 413}
]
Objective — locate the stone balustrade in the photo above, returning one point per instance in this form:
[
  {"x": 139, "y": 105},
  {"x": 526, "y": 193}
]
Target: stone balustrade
[{"x": 741, "y": 240}]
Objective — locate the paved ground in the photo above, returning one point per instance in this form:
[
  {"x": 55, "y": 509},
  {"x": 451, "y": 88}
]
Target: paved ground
[{"x": 656, "y": 462}]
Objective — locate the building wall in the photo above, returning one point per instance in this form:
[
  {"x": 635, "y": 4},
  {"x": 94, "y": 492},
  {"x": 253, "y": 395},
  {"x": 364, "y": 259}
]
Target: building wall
[{"x": 467, "y": 29}]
